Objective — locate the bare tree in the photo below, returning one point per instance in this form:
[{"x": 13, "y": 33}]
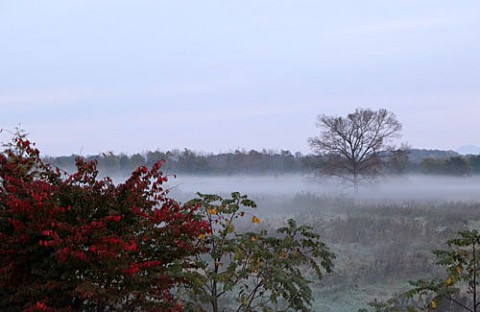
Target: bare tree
[{"x": 352, "y": 145}]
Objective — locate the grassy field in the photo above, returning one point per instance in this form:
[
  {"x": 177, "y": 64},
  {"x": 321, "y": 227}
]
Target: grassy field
[
  {"x": 380, "y": 246},
  {"x": 382, "y": 238}
]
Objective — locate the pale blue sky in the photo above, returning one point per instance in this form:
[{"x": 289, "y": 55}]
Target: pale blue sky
[{"x": 129, "y": 76}]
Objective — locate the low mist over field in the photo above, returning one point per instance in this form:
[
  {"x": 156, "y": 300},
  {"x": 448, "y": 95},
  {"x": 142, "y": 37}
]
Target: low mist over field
[
  {"x": 398, "y": 188},
  {"x": 383, "y": 236}
]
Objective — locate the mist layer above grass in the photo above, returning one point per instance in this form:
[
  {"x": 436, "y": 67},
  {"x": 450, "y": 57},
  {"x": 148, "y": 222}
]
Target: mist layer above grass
[{"x": 399, "y": 188}]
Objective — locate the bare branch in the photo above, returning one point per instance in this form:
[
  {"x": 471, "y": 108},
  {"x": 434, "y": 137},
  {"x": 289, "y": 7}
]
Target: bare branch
[{"x": 352, "y": 144}]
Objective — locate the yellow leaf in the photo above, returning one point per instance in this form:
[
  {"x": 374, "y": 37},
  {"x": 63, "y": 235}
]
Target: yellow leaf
[
  {"x": 256, "y": 220},
  {"x": 459, "y": 269},
  {"x": 244, "y": 300},
  {"x": 230, "y": 228},
  {"x": 433, "y": 304},
  {"x": 201, "y": 236},
  {"x": 212, "y": 211},
  {"x": 449, "y": 281}
]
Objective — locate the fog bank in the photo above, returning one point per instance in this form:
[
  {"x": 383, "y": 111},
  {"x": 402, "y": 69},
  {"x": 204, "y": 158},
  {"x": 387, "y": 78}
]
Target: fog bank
[{"x": 411, "y": 187}]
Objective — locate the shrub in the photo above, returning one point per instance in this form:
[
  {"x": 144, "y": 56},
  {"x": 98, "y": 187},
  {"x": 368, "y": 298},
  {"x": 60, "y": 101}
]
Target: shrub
[
  {"x": 255, "y": 270},
  {"x": 73, "y": 242}
]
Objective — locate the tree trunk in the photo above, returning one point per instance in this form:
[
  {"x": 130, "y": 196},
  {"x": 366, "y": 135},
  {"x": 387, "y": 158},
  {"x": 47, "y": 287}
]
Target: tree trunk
[{"x": 355, "y": 183}]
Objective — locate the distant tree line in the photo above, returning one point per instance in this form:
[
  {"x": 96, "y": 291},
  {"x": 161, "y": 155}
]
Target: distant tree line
[
  {"x": 454, "y": 165},
  {"x": 271, "y": 162},
  {"x": 188, "y": 161}
]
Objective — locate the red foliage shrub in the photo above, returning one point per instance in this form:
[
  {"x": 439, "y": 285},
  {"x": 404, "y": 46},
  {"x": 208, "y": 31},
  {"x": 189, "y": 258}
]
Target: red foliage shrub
[{"x": 75, "y": 242}]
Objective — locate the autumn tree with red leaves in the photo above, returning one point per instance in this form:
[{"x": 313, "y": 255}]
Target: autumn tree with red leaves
[{"x": 76, "y": 242}]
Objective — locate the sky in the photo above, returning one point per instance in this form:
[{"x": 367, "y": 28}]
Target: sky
[{"x": 85, "y": 77}]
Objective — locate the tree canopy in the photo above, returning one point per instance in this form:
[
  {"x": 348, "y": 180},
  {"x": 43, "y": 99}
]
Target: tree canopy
[{"x": 353, "y": 145}]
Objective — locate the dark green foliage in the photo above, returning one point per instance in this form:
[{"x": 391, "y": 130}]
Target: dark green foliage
[
  {"x": 457, "y": 291},
  {"x": 462, "y": 265},
  {"x": 255, "y": 270}
]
